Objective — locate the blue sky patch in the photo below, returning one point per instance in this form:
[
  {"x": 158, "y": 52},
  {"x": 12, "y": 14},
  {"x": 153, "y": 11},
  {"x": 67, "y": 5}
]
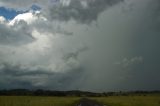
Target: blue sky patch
[{"x": 10, "y": 13}]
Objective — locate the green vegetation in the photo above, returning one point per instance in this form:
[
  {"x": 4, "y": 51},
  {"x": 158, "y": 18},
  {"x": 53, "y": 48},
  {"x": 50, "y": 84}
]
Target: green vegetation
[
  {"x": 143, "y": 100},
  {"x": 131, "y": 100},
  {"x": 37, "y": 101}
]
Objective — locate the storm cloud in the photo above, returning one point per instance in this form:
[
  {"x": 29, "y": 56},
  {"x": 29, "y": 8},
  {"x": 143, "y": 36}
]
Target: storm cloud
[
  {"x": 37, "y": 78},
  {"x": 12, "y": 36},
  {"x": 96, "y": 45},
  {"x": 84, "y": 11}
]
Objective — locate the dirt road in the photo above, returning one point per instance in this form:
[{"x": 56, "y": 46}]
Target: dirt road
[{"x": 88, "y": 102}]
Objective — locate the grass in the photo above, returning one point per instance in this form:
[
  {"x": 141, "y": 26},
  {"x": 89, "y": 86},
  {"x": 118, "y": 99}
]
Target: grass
[
  {"x": 148, "y": 100},
  {"x": 37, "y": 101}
]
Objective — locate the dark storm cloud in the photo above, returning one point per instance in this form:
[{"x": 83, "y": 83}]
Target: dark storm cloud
[
  {"x": 68, "y": 80},
  {"x": 123, "y": 51},
  {"x": 22, "y": 4},
  {"x": 144, "y": 42},
  {"x": 83, "y": 11},
  {"x": 18, "y": 70},
  {"x": 15, "y": 35},
  {"x": 39, "y": 78},
  {"x": 129, "y": 62},
  {"x": 74, "y": 54}
]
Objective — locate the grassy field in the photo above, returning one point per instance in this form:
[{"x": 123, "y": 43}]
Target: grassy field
[
  {"x": 148, "y": 100},
  {"x": 37, "y": 101}
]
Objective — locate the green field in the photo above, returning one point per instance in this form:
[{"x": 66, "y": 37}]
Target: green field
[
  {"x": 37, "y": 101},
  {"x": 149, "y": 100}
]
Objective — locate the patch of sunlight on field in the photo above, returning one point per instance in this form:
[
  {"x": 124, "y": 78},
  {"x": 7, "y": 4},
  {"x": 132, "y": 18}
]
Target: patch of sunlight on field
[
  {"x": 37, "y": 101},
  {"x": 149, "y": 100}
]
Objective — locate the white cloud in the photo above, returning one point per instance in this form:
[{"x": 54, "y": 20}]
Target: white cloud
[
  {"x": 2, "y": 20},
  {"x": 28, "y": 17},
  {"x": 20, "y": 30}
]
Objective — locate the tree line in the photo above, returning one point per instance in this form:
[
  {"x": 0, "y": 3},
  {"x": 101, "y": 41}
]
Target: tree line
[{"x": 41, "y": 92}]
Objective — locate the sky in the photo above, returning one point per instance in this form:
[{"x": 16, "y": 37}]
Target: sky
[{"x": 91, "y": 45}]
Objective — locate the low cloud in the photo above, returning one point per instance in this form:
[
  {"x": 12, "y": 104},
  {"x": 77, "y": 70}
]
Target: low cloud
[
  {"x": 11, "y": 36},
  {"x": 129, "y": 62},
  {"x": 39, "y": 78}
]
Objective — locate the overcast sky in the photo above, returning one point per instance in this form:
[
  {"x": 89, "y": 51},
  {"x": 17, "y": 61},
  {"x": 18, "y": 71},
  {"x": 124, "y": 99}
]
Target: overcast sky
[{"x": 95, "y": 45}]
